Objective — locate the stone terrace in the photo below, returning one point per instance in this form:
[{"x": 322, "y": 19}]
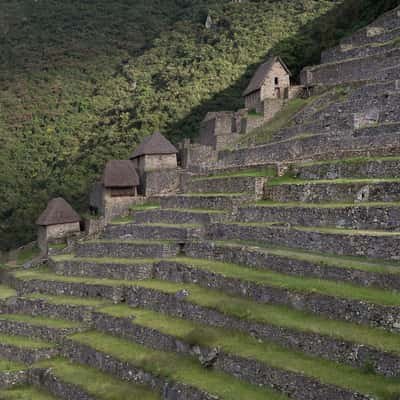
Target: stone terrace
[{"x": 275, "y": 274}]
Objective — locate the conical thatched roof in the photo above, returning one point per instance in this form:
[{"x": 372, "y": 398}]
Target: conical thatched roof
[
  {"x": 58, "y": 211},
  {"x": 154, "y": 144},
  {"x": 261, "y": 73},
  {"x": 120, "y": 173}
]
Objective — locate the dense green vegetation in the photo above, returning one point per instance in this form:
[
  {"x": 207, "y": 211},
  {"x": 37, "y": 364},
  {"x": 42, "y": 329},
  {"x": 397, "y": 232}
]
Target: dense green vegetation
[{"x": 83, "y": 82}]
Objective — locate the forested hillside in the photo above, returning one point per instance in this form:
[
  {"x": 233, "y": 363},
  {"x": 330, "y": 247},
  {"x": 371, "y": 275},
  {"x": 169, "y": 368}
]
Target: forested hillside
[{"x": 82, "y": 82}]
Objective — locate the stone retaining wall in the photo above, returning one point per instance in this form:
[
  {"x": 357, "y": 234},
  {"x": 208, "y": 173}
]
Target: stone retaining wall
[
  {"x": 45, "y": 333},
  {"x": 338, "y": 192},
  {"x": 133, "y": 231},
  {"x": 127, "y": 250},
  {"x": 26, "y": 355},
  {"x": 204, "y": 202},
  {"x": 45, "y": 378},
  {"x": 374, "y": 246},
  {"x": 170, "y": 390},
  {"x": 355, "y": 169},
  {"x": 353, "y": 217},
  {"x": 253, "y": 257},
  {"x": 11, "y": 379},
  {"x": 322, "y": 147},
  {"x": 359, "y": 69},
  {"x": 182, "y": 217}
]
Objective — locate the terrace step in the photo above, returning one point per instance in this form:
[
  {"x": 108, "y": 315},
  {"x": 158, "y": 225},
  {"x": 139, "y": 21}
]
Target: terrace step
[
  {"x": 356, "y": 168},
  {"x": 189, "y": 216},
  {"x": 341, "y": 301},
  {"x": 217, "y": 201},
  {"x": 128, "y": 249},
  {"x": 11, "y": 373},
  {"x": 375, "y": 244},
  {"x": 376, "y": 31},
  {"x": 186, "y": 380},
  {"x": 363, "y": 215},
  {"x": 258, "y": 363},
  {"x": 343, "y": 52},
  {"x": 24, "y": 350},
  {"x": 155, "y": 231},
  {"x": 48, "y": 329},
  {"x": 340, "y": 190},
  {"x": 346, "y": 71},
  {"x": 315, "y": 147},
  {"x": 74, "y": 381},
  {"x": 333, "y": 340},
  {"x": 357, "y": 271}
]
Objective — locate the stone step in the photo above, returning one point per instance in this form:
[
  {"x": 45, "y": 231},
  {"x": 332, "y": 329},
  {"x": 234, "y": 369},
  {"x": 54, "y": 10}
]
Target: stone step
[
  {"x": 354, "y": 270},
  {"x": 11, "y": 374},
  {"x": 155, "y": 231},
  {"x": 218, "y": 201},
  {"x": 357, "y": 168},
  {"x": 47, "y": 329},
  {"x": 375, "y": 244},
  {"x": 363, "y": 215},
  {"x": 337, "y": 190},
  {"x": 75, "y": 381},
  {"x": 343, "y": 52},
  {"x": 23, "y": 350},
  {"x": 314, "y": 147},
  {"x": 352, "y": 70},
  {"x": 186, "y": 380},
  {"x": 365, "y": 306},
  {"x": 125, "y": 248},
  {"x": 182, "y": 216},
  {"x": 292, "y": 329}
]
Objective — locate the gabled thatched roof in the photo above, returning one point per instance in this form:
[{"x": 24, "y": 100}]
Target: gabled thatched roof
[
  {"x": 120, "y": 173},
  {"x": 58, "y": 211},
  {"x": 154, "y": 144},
  {"x": 261, "y": 73}
]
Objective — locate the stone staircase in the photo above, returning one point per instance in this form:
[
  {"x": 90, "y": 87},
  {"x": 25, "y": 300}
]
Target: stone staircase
[{"x": 273, "y": 275}]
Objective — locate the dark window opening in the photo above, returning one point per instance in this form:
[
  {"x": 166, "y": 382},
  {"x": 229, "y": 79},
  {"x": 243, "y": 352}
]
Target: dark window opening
[{"x": 276, "y": 81}]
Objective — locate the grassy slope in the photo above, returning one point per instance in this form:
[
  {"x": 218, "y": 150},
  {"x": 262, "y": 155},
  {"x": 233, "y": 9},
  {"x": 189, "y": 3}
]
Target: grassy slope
[{"x": 81, "y": 83}]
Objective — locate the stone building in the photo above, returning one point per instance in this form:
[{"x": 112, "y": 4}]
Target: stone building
[
  {"x": 116, "y": 191},
  {"x": 58, "y": 221},
  {"x": 271, "y": 82},
  {"x": 155, "y": 159}
]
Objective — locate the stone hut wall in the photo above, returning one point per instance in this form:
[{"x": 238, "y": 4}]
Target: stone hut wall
[{"x": 269, "y": 90}]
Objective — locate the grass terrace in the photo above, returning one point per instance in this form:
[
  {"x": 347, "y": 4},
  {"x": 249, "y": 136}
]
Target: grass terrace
[
  {"x": 176, "y": 367},
  {"x": 267, "y": 172},
  {"x": 96, "y": 383},
  {"x": 6, "y": 292},
  {"x": 267, "y": 353},
  {"x": 146, "y": 206},
  {"x": 39, "y": 321},
  {"x": 23, "y": 342},
  {"x": 25, "y": 393},
  {"x": 284, "y": 180},
  {"x": 271, "y": 203},
  {"x": 10, "y": 366},
  {"x": 243, "y": 308}
]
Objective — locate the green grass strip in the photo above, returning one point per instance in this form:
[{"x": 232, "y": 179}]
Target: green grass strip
[
  {"x": 194, "y": 210},
  {"x": 246, "y": 346},
  {"x": 216, "y": 194},
  {"x": 179, "y": 368},
  {"x": 6, "y": 292},
  {"x": 73, "y": 301},
  {"x": 10, "y": 366},
  {"x": 273, "y": 204},
  {"x": 145, "y": 207},
  {"x": 323, "y": 259},
  {"x": 344, "y": 181},
  {"x": 24, "y": 342},
  {"x": 106, "y": 260},
  {"x": 271, "y": 314},
  {"x": 25, "y": 393},
  {"x": 122, "y": 221},
  {"x": 39, "y": 321},
  {"x": 96, "y": 383},
  {"x": 247, "y": 173},
  {"x": 351, "y": 160},
  {"x": 137, "y": 242}
]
